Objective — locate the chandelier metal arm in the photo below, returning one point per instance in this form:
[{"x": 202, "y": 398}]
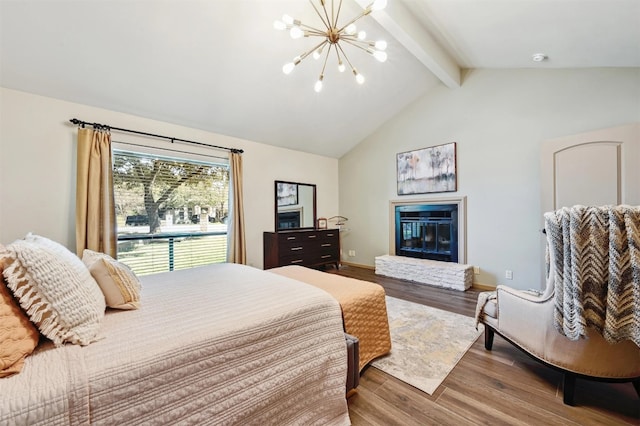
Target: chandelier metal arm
[
  {"x": 351, "y": 42},
  {"x": 326, "y": 23},
  {"x": 325, "y": 61},
  {"x": 346, "y": 57},
  {"x": 312, "y": 29},
  {"x": 315, "y": 33},
  {"x": 357, "y": 42},
  {"x": 308, "y": 52},
  {"x": 335, "y": 21},
  {"x": 338, "y": 55},
  {"x": 364, "y": 13}
]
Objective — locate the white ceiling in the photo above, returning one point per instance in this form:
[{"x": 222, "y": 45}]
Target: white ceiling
[{"x": 216, "y": 65}]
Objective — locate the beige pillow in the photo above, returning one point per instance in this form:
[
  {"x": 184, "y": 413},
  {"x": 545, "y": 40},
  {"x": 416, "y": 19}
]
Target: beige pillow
[
  {"x": 18, "y": 337},
  {"x": 119, "y": 284},
  {"x": 55, "y": 289}
]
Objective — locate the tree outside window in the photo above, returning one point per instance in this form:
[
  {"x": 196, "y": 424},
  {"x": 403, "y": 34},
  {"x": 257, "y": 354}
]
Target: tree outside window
[{"x": 163, "y": 196}]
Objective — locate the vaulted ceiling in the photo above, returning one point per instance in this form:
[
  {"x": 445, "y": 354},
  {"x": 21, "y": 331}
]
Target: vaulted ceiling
[{"x": 217, "y": 65}]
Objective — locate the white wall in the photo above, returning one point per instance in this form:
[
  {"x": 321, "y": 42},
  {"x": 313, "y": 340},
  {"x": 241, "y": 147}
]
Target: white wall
[
  {"x": 37, "y": 168},
  {"x": 499, "y": 118}
]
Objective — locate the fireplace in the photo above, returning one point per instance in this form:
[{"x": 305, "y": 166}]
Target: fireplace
[
  {"x": 429, "y": 229},
  {"x": 427, "y": 232}
]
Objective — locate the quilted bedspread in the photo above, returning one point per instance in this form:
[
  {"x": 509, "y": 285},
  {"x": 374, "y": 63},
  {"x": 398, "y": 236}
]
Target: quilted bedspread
[
  {"x": 220, "y": 344},
  {"x": 364, "y": 309}
]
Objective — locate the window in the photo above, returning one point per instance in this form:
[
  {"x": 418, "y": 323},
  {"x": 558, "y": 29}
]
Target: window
[{"x": 171, "y": 212}]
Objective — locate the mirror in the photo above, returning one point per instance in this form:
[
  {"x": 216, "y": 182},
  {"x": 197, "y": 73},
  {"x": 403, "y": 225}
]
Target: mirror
[{"x": 295, "y": 205}]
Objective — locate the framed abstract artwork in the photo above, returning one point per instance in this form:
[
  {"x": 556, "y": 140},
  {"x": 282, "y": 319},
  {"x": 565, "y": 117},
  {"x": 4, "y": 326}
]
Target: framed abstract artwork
[{"x": 427, "y": 170}]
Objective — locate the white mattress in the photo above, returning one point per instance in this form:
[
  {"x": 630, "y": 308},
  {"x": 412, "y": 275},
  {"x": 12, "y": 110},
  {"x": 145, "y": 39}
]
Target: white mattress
[{"x": 220, "y": 344}]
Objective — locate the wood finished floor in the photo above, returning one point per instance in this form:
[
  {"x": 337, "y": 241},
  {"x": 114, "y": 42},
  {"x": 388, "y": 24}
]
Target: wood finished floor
[{"x": 499, "y": 387}]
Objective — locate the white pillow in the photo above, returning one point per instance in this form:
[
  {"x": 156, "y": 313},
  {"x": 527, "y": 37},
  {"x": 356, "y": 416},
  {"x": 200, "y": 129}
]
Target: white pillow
[
  {"x": 119, "y": 284},
  {"x": 55, "y": 289}
]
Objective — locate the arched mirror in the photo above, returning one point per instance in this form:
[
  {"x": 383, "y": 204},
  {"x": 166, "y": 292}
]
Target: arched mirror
[{"x": 295, "y": 205}]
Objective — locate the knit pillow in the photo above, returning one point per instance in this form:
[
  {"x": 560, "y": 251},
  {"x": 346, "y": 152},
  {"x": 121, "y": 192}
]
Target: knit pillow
[
  {"x": 119, "y": 284},
  {"x": 55, "y": 289},
  {"x": 72, "y": 261},
  {"x": 18, "y": 337}
]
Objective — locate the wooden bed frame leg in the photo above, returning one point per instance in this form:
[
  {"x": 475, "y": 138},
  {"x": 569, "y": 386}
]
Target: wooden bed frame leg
[
  {"x": 488, "y": 337},
  {"x": 568, "y": 385}
]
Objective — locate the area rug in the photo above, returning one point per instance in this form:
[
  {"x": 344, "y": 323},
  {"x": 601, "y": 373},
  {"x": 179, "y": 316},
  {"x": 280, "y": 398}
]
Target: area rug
[{"x": 426, "y": 343}]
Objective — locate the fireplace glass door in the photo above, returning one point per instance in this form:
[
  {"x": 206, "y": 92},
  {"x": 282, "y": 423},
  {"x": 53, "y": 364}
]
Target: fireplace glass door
[{"x": 427, "y": 232}]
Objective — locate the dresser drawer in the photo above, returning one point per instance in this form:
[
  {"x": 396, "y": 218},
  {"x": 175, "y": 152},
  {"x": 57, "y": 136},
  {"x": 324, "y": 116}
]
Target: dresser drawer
[
  {"x": 299, "y": 237},
  {"x": 329, "y": 235},
  {"x": 288, "y": 247}
]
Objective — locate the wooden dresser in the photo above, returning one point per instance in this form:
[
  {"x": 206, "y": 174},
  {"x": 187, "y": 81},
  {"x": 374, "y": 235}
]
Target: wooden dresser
[{"x": 302, "y": 247}]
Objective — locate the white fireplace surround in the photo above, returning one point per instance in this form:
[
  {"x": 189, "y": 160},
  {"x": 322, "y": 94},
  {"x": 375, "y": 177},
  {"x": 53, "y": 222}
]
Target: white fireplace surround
[{"x": 461, "y": 202}]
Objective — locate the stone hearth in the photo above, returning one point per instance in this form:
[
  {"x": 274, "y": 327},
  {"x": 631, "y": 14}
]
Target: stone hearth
[{"x": 441, "y": 274}]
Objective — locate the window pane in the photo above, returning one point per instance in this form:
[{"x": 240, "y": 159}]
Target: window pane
[{"x": 171, "y": 212}]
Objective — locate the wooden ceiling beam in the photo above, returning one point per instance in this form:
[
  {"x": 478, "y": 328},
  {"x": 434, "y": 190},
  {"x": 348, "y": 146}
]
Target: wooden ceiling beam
[{"x": 403, "y": 26}]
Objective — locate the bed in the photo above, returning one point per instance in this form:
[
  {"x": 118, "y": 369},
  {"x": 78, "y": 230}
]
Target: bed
[{"x": 219, "y": 344}]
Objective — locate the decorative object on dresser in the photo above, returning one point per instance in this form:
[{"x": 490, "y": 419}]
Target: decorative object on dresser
[
  {"x": 314, "y": 247},
  {"x": 321, "y": 223}
]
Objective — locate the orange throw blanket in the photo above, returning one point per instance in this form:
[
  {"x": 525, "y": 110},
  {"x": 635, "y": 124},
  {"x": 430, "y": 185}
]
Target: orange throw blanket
[{"x": 364, "y": 310}]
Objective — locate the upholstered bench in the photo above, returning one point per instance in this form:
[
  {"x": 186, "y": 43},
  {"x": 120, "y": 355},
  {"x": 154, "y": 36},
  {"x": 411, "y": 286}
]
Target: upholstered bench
[{"x": 364, "y": 308}]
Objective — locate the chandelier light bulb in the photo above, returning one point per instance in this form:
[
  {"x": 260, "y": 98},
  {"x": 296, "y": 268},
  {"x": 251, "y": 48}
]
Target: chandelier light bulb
[
  {"x": 359, "y": 77},
  {"x": 279, "y": 25},
  {"x": 287, "y": 68},
  {"x": 317, "y": 53},
  {"x": 362, "y": 35},
  {"x": 296, "y": 32},
  {"x": 381, "y": 45},
  {"x": 341, "y": 67},
  {"x": 380, "y": 56},
  {"x": 318, "y": 86},
  {"x": 378, "y": 5},
  {"x": 287, "y": 19},
  {"x": 351, "y": 29}
]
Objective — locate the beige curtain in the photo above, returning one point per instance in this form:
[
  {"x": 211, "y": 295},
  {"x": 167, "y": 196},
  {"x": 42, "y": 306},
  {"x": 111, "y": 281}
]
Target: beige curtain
[
  {"x": 236, "y": 246},
  {"x": 95, "y": 207}
]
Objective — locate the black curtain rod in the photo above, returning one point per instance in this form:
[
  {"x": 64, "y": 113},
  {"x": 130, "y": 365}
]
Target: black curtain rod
[{"x": 104, "y": 126}]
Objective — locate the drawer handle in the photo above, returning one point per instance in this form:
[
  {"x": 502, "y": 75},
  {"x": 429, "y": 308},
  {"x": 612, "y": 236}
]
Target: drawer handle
[
  {"x": 329, "y": 235},
  {"x": 296, "y": 248},
  {"x": 291, "y": 238},
  {"x": 325, "y": 256},
  {"x": 297, "y": 261},
  {"x": 312, "y": 236},
  {"x": 326, "y": 245}
]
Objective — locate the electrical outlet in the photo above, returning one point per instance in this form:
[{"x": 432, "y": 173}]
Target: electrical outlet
[
  {"x": 352, "y": 253},
  {"x": 476, "y": 270},
  {"x": 508, "y": 274}
]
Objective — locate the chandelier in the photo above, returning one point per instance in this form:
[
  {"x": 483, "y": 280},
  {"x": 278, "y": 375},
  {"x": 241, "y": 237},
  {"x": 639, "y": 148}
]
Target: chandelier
[{"x": 333, "y": 38}]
